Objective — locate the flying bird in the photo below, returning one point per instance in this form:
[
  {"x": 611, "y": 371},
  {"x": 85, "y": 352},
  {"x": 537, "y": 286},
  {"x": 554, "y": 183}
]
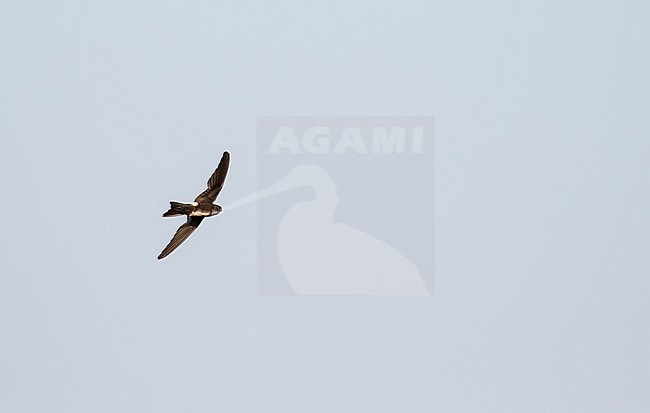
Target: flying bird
[{"x": 202, "y": 207}]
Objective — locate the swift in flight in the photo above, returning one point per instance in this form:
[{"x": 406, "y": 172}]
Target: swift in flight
[{"x": 203, "y": 206}]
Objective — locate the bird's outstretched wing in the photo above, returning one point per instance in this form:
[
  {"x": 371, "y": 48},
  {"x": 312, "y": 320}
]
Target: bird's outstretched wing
[
  {"x": 181, "y": 235},
  {"x": 215, "y": 183}
]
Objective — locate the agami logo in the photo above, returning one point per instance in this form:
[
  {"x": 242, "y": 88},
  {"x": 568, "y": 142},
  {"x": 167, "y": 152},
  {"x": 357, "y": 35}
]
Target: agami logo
[
  {"x": 321, "y": 139},
  {"x": 345, "y": 205}
]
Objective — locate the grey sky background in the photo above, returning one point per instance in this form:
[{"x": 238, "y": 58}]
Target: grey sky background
[{"x": 110, "y": 109}]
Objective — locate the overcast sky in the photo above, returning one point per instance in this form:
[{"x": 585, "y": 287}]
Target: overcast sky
[{"x": 109, "y": 109}]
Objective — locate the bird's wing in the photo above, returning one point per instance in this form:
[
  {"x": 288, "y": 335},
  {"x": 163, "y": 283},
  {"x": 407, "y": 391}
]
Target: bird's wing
[
  {"x": 215, "y": 183},
  {"x": 183, "y": 232}
]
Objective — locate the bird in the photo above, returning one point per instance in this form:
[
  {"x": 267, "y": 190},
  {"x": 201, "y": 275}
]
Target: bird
[{"x": 202, "y": 207}]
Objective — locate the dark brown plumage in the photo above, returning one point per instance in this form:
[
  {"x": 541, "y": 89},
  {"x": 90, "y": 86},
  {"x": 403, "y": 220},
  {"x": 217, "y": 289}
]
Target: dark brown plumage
[{"x": 199, "y": 209}]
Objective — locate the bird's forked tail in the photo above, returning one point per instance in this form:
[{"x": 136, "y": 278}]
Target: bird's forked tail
[{"x": 178, "y": 208}]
